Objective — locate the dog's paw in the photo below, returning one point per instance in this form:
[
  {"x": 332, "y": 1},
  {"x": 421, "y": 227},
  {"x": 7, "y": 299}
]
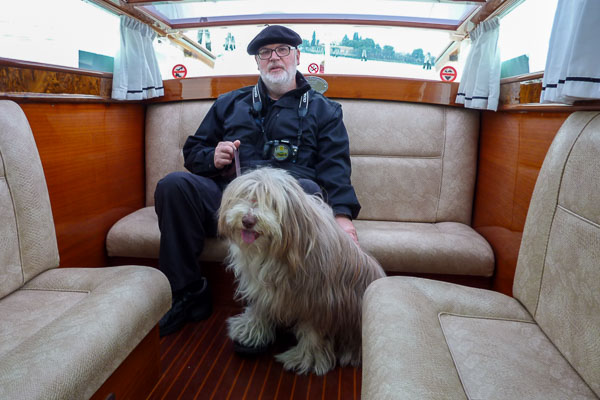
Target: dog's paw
[
  {"x": 304, "y": 360},
  {"x": 250, "y": 331},
  {"x": 351, "y": 358}
]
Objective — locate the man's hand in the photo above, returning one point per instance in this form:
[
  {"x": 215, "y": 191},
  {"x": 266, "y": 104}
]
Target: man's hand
[
  {"x": 224, "y": 153},
  {"x": 346, "y": 224}
]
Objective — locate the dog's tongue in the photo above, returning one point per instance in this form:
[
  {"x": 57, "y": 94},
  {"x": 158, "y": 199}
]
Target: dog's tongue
[{"x": 249, "y": 236}]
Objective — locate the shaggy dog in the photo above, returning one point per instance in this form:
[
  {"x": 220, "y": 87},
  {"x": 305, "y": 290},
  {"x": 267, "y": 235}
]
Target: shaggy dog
[{"x": 295, "y": 267}]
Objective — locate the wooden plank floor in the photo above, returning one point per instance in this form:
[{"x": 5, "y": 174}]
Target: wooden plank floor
[{"x": 199, "y": 363}]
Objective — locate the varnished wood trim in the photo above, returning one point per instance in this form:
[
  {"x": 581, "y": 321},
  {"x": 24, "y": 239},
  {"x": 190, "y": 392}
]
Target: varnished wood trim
[
  {"x": 123, "y": 8},
  {"x": 488, "y": 9},
  {"x": 93, "y": 160},
  {"x": 53, "y": 98},
  {"x": 512, "y": 147},
  {"x": 340, "y": 86},
  {"x": 537, "y": 107},
  {"x": 10, "y": 62},
  {"x": 522, "y": 77},
  {"x": 286, "y": 19},
  {"x": 38, "y": 80},
  {"x": 172, "y": 1}
]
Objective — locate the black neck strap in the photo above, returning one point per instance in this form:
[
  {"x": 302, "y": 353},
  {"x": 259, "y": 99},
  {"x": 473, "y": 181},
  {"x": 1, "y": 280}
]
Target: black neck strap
[{"x": 302, "y": 111}]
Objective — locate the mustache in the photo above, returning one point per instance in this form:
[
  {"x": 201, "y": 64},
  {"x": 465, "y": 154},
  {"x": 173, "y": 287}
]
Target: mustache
[{"x": 275, "y": 64}]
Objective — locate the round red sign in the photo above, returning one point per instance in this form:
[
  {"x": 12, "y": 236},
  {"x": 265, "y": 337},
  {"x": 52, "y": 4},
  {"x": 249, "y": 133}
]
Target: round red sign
[
  {"x": 313, "y": 68},
  {"x": 179, "y": 71},
  {"x": 448, "y": 74}
]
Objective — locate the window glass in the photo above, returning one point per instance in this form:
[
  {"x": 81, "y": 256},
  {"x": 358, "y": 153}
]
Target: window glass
[
  {"x": 523, "y": 43},
  {"x": 330, "y": 49},
  {"x": 179, "y": 14},
  {"x": 70, "y": 33}
]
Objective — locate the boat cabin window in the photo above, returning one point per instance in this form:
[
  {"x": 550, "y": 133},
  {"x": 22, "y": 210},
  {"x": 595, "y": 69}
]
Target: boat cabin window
[
  {"x": 524, "y": 44},
  {"x": 331, "y": 49},
  {"x": 408, "y": 39},
  {"x": 70, "y": 33}
]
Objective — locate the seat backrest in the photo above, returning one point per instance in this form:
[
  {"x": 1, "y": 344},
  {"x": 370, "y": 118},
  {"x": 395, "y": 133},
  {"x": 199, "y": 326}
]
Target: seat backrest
[
  {"x": 27, "y": 236},
  {"x": 168, "y": 125},
  {"x": 558, "y": 270},
  {"x": 412, "y": 162}
]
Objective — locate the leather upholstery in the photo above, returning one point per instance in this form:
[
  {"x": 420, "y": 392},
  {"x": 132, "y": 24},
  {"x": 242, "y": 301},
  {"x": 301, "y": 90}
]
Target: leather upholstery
[
  {"x": 64, "y": 330},
  {"x": 413, "y": 167},
  {"x": 424, "y": 339},
  {"x": 27, "y": 237},
  {"x": 558, "y": 270},
  {"x": 412, "y": 162}
]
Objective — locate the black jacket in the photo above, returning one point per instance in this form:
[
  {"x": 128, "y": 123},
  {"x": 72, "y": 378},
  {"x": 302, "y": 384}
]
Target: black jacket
[{"x": 323, "y": 153}]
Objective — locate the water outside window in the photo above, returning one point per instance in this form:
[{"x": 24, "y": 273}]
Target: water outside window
[
  {"x": 331, "y": 49},
  {"x": 78, "y": 34}
]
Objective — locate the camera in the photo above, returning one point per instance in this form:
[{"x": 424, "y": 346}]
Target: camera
[{"x": 280, "y": 150}]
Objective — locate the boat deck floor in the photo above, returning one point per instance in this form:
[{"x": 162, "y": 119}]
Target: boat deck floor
[{"x": 198, "y": 362}]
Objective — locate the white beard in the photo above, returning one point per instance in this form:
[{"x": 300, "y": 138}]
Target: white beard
[
  {"x": 278, "y": 78},
  {"x": 279, "y": 82}
]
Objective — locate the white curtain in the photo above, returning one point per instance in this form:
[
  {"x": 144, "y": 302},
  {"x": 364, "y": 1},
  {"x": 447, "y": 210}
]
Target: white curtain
[
  {"x": 480, "y": 83},
  {"x": 136, "y": 75},
  {"x": 573, "y": 63}
]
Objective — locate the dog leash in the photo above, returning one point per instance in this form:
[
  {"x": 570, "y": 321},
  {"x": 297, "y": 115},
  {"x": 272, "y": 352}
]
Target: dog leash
[{"x": 236, "y": 160}]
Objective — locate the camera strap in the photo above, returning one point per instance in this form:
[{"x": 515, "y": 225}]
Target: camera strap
[{"x": 302, "y": 112}]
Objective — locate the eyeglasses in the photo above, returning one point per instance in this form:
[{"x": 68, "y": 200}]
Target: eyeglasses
[{"x": 266, "y": 53}]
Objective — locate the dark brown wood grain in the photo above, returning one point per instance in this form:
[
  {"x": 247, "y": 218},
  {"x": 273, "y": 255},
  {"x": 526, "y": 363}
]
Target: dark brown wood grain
[
  {"x": 93, "y": 159},
  {"x": 340, "y": 86},
  {"x": 511, "y": 152},
  {"x": 29, "y": 77}
]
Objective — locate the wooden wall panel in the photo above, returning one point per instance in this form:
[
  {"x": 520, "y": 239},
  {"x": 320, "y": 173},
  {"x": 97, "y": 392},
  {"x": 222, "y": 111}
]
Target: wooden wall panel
[
  {"x": 340, "y": 86},
  {"x": 30, "y": 77},
  {"x": 93, "y": 158},
  {"x": 512, "y": 148}
]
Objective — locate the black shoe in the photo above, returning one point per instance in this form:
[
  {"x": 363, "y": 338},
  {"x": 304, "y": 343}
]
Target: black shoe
[
  {"x": 191, "y": 305},
  {"x": 200, "y": 302},
  {"x": 174, "y": 319},
  {"x": 248, "y": 351}
]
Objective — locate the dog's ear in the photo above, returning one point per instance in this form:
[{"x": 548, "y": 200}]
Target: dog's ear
[{"x": 299, "y": 228}]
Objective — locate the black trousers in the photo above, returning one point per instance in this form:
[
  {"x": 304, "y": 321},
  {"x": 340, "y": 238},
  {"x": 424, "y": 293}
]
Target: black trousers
[{"x": 187, "y": 206}]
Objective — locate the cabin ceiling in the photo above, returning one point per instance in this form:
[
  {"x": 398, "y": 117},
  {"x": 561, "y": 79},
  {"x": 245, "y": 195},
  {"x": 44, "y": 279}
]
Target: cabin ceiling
[{"x": 173, "y": 19}]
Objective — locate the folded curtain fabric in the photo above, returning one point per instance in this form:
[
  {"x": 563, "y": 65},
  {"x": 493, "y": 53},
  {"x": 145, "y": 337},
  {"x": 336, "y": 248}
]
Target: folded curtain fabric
[
  {"x": 480, "y": 84},
  {"x": 573, "y": 64},
  {"x": 136, "y": 75}
]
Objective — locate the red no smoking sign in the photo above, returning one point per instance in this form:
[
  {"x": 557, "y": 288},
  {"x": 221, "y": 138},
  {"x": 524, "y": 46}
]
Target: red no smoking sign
[
  {"x": 448, "y": 74},
  {"x": 179, "y": 71},
  {"x": 313, "y": 68}
]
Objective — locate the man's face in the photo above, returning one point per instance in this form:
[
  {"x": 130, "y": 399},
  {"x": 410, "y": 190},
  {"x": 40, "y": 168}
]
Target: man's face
[{"x": 276, "y": 69}]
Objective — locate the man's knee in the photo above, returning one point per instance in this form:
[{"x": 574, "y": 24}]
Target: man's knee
[
  {"x": 171, "y": 182},
  {"x": 309, "y": 186},
  {"x": 182, "y": 183}
]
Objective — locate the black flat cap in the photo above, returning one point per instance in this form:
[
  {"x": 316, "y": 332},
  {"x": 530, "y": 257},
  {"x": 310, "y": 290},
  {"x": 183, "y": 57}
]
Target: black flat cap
[{"x": 274, "y": 34}]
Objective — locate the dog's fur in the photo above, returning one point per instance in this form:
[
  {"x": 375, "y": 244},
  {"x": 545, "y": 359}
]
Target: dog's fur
[{"x": 295, "y": 267}]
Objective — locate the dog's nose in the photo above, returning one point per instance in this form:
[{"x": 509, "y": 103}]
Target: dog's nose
[{"x": 249, "y": 221}]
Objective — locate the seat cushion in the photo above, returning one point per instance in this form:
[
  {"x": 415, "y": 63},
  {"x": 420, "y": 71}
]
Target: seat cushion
[
  {"x": 85, "y": 320},
  {"x": 440, "y": 248},
  {"x": 137, "y": 235},
  {"x": 425, "y": 339},
  {"x": 445, "y": 247}
]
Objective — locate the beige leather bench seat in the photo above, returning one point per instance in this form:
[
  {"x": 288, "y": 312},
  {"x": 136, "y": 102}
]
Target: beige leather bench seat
[
  {"x": 63, "y": 331},
  {"x": 425, "y": 339},
  {"x": 413, "y": 169}
]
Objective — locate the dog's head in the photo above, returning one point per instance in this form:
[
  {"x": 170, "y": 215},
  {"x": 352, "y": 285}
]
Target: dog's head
[{"x": 268, "y": 209}]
